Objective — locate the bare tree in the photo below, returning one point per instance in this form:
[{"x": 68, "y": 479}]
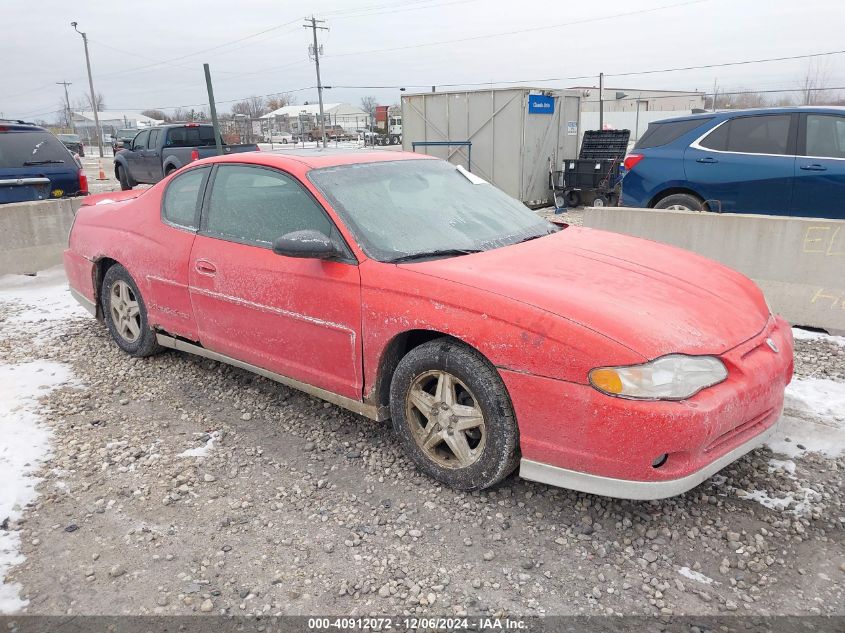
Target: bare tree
[
  {"x": 280, "y": 101},
  {"x": 180, "y": 114},
  {"x": 159, "y": 115},
  {"x": 84, "y": 102},
  {"x": 368, "y": 105},
  {"x": 814, "y": 81},
  {"x": 252, "y": 107}
]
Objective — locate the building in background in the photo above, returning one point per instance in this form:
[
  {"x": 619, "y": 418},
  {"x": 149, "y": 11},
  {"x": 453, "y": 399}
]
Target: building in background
[
  {"x": 110, "y": 122},
  {"x": 632, "y": 109},
  {"x": 349, "y": 117}
]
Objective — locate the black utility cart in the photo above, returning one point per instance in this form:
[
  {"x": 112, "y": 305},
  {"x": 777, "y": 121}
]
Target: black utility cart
[{"x": 594, "y": 178}]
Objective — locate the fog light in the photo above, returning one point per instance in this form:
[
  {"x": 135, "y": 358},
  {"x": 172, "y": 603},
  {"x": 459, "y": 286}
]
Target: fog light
[{"x": 659, "y": 460}]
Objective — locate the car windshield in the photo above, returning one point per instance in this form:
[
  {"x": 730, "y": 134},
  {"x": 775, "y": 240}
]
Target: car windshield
[
  {"x": 403, "y": 208},
  {"x": 69, "y": 138},
  {"x": 22, "y": 149}
]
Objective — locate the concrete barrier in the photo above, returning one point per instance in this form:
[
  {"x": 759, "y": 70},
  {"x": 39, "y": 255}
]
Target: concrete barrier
[
  {"x": 34, "y": 234},
  {"x": 798, "y": 262}
]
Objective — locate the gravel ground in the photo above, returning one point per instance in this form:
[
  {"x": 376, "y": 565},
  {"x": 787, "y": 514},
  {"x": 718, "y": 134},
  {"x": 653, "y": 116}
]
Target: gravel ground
[{"x": 178, "y": 485}]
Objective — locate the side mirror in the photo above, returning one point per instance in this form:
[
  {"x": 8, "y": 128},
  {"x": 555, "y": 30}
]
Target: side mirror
[{"x": 307, "y": 244}]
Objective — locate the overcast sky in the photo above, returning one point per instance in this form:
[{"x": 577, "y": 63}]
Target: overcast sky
[{"x": 385, "y": 43}]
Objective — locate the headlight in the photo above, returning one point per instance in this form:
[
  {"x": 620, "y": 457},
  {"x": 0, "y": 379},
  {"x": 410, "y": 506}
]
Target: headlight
[{"x": 672, "y": 377}]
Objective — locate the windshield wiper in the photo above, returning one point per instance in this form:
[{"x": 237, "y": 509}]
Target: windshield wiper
[
  {"x": 535, "y": 237},
  {"x": 446, "y": 252},
  {"x": 42, "y": 162}
]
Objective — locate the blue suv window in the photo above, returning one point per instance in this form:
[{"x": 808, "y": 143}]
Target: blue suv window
[
  {"x": 765, "y": 134},
  {"x": 825, "y": 136},
  {"x": 659, "y": 134}
]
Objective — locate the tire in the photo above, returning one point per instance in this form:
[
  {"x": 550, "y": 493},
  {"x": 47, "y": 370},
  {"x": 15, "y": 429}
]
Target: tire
[
  {"x": 681, "y": 202},
  {"x": 487, "y": 452},
  {"x": 284, "y": 141},
  {"x": 600, "y": 201},
  {"x": 573, "y": 198},
  {"x": 169, "y": 171},
  {"x": 118, "y": 296},
  {"x": 125, "y": 181}
]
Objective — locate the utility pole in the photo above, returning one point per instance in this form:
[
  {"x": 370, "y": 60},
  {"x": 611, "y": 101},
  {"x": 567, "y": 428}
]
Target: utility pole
[
  {"x": 91, "y": 86},
  {"x": 313, "y": 26},
  {"x": 215, "y": 124},
  {"x": 715, "y": 93},
  {"x": 601, "y": 101},
  {"x": 67, "y": 104}
]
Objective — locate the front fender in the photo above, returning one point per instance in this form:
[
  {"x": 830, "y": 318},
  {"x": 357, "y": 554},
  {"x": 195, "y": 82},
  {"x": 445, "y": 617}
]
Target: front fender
[{"x": 511, "y": 335}]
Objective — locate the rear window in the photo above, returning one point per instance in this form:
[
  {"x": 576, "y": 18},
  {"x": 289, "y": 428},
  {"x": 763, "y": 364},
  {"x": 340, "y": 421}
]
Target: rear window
[
  {"x": 202, "y": 136},
  {"x": 23, "y": 149},
  {"x": 659, "y": 134}
]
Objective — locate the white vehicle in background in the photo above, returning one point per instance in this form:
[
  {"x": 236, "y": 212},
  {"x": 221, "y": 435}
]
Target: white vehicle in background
[{"x": 282, "y": 137}]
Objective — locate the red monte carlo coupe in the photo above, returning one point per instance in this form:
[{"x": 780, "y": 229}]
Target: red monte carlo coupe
[{"x": 401, "y": 287}]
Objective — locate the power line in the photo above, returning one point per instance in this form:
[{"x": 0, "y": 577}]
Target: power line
[
  {"x": 525, "y": 30},
  {"x": 593, "y": 76}
]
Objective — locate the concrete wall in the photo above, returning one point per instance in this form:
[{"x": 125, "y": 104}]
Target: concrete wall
[
  {"x": 798, "y": 262},
  {"x": 34, "y": 234}
]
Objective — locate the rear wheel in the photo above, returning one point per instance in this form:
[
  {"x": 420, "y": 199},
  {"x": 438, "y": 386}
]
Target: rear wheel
[
  {"x": 453, "y": 416},
  {"x": 125, "y": 182},
  {"x": 126, "y": 314},
  {"x": 681, "y": 202}
]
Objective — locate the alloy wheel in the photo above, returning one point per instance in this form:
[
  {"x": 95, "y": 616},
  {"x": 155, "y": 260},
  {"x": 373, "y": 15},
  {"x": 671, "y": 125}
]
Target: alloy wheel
[
  {"x": 446, "y": 420},
  {"x": 125, "y": 312}
]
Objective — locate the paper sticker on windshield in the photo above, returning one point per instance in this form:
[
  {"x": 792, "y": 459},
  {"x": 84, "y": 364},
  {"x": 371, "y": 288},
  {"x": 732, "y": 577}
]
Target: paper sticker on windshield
[{"x": 471, "y": 177}]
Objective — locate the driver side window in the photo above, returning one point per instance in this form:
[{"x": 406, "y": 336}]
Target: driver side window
[
  {"x": 140, "y": 141},
  {"x": 255, "y": 205}
]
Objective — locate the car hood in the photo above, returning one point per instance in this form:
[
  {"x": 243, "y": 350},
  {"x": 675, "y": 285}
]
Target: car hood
[{"x": 652, "y": 298}]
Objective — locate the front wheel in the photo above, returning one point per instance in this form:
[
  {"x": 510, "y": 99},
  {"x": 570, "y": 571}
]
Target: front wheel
[
  {"x": 126, "y": 314},
  {"x": 452, "y": 415}
]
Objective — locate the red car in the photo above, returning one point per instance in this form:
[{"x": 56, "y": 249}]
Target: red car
[{"x": 401, "y": 287}]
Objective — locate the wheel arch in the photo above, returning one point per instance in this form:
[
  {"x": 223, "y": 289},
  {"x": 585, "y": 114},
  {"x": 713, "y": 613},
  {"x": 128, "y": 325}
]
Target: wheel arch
[
  {"x": 101, "y": 266},
  {"x": 396, "y": 349},
  {"x": 672, "y": 191}
]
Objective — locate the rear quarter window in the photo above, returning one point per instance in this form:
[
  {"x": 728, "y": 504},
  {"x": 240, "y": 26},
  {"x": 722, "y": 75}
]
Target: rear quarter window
[{"x": 659, "y": 134}]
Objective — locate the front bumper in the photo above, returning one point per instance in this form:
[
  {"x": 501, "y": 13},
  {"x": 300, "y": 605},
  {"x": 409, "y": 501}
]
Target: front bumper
[{"x": 575, "y": 437}]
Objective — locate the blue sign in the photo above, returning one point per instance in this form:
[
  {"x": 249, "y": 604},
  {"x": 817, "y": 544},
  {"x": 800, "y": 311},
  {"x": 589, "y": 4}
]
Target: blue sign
[{"x": 541, "y": 104}]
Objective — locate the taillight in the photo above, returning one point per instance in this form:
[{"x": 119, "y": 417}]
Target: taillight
[
  {"x": 631, "y": 160},
  {"x": 257, "y": 149},
  {"x": 195, "y": 154},
  {"x": 83, "y": 182}
]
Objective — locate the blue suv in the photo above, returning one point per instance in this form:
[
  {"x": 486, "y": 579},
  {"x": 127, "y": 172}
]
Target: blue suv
[
  {"x": 780, "y": 161},
  {"x": 35, "y": 165}
]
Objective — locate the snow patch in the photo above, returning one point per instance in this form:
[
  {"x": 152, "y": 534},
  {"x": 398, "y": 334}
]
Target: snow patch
[
  {"x": 814, "y": 419},
  {"x": 820, "y": 397},
  {"x": 25, "y": 443},
  {"x": 800, "y": 503},
  {"x": 806, "y": 335},
  {"x": 697, "y": 576},
  {"x": 205, "y": 449},
  {"x": 44, "y": 297}
]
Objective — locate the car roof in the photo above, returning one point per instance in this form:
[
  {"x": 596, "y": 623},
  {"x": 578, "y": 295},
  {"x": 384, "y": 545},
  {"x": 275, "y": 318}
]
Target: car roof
[
  {"x": 727, "y": 114},
  {"x": 317, "y": 158},
  {"x": 15, "y": 125}
]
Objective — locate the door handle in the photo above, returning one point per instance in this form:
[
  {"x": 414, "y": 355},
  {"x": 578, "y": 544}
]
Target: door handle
[
  {"x": 205, "y": 267},
  {"x": 814, "y": 167},
  {"x": 706, "y": 159}
]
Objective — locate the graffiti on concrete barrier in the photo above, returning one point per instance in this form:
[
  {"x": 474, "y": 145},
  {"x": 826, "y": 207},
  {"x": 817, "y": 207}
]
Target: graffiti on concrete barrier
[
  {"x": 826, "y": 240},
  {"x": 825, "y": 296}
]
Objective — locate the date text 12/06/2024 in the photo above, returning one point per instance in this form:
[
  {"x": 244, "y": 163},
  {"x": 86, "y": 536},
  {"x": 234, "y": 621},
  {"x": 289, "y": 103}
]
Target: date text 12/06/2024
[{"x": 411, "y": 623}]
